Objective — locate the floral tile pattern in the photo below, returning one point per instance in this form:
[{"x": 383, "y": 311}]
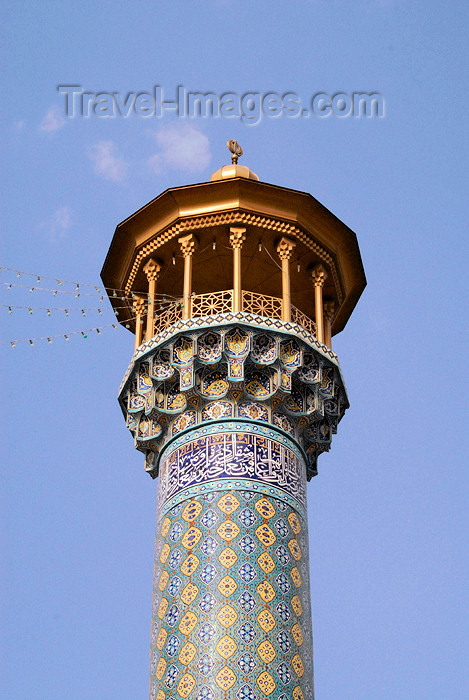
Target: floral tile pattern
[{"x": 231, "y": 603}]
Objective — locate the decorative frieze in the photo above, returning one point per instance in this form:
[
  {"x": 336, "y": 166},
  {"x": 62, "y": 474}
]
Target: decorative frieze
[{"x": 232, "y": 455}]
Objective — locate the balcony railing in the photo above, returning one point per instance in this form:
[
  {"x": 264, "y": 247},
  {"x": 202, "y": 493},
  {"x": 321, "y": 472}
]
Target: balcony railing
[
  {"x": 213, "y": 303},
  {"x": 167, "y": 318},
  {"x": 262, "y": 305},
  {"x": 303, "y": 320}
]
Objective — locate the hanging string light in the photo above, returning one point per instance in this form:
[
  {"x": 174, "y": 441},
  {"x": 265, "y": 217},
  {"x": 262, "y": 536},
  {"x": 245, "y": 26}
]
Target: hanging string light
[
  {"x": 49, "y": 309},
  {"x": 161, "y": 305},
  {"x": 9, "y": 285},
  {"x": 55, "y": 279},
  {"x": 39, "y": 277},
  {"x": 162, "y": 300},
  {"x": 124, "y": 296},
  {"x": 66, "y": 336}
]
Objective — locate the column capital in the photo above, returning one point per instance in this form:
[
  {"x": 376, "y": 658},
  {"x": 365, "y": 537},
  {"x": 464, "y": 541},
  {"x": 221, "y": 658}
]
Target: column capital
[
  {"x": 152, "y": 270},
  {"x": 237, "y": 237},
  {"x": 285, "y": 248},
  {"x": 318, "y": 275},
  {"x": 188, "y": 245},
  {"x": 138, "y": 304},
  {"x": 329, "y": 310}
]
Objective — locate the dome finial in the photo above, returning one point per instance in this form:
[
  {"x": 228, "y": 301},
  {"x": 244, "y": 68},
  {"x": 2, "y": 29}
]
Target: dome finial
[
  {"x": 227, "y": 172},
  {"x": 235, "y": 149}
]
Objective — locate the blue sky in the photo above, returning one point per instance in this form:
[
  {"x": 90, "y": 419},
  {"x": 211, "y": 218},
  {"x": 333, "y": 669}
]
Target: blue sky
[{"x": 387, "y": 511}]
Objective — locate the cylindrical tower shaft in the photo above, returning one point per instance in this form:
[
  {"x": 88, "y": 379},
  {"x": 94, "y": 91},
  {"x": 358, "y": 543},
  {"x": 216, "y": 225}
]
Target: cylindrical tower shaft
[{"x": 231, "y": 606}]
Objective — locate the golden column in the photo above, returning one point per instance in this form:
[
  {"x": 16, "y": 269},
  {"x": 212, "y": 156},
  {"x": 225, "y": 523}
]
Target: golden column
[
  {"x": 285, "y": 251},
  {"x": 329, "y": 311},
  {"x": 152, "y": 270},
  {"x": 139, "y": 311},
  {"x": 237, "y": 238},
  {"x": 319, "y": 275},
  {"x": 188, "y": 245}
]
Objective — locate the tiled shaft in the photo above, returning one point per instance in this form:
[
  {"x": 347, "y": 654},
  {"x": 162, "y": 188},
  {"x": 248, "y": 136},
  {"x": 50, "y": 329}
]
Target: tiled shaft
[{"x": 231, "y": 599}]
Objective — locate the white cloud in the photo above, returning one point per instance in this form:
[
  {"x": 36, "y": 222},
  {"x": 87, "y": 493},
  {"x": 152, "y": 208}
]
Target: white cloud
[
  {"x": 53, "y": 121},
  {"x": 181, "y": 147},
  {"x": 106, "y": 161},
  {"x": 57, "y": 225}
]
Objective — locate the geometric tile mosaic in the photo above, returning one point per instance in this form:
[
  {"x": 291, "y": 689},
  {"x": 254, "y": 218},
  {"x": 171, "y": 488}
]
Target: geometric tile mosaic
[{"x": 231, "y": 609}]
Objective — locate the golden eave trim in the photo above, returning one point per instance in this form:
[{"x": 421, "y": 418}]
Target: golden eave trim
[{"x": 234, "y": 217}]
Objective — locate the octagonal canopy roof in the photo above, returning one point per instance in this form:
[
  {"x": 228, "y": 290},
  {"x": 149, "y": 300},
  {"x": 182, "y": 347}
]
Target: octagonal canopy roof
[{"x": 208, "y": 210}]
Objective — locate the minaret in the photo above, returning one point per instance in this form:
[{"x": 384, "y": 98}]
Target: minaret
[{"x": 234, "y": 289}]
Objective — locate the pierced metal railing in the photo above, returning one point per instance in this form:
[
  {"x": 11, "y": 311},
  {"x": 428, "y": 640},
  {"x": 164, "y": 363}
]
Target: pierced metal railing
[
  {"x": 303, "y": 320},
  {"x": 213, "y": 303},
  {"x": 262, "y": 304},
  {"x": 167, "y": 318}
]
